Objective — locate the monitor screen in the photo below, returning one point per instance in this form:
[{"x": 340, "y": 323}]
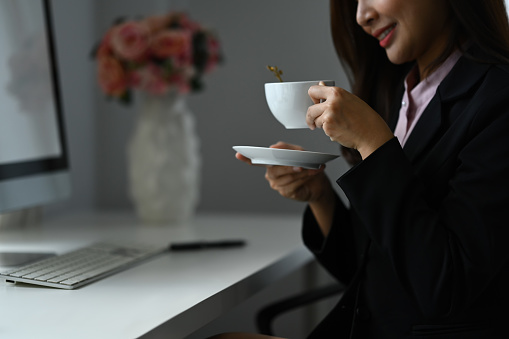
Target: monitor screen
[{"x": 34, "y": 166}]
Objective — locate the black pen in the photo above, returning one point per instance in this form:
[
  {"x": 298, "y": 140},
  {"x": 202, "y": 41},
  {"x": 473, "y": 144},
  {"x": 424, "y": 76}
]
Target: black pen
[{"x": 201, "y": 245}]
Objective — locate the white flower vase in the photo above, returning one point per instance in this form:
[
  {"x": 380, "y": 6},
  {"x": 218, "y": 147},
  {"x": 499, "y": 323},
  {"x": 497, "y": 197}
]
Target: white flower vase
[{"x": 164, "y": 161}]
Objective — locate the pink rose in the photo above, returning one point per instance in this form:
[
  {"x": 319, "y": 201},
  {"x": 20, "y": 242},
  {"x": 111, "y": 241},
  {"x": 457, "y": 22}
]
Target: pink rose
[
  {"x": 181, "y": 82},
  {"x": 104, "y": 48},
  {"x": 111, "y": 76},
  {"x": 130, "y": 40},
  {"x": 171, "y": 43},
  {"x": 151, "y": 79},
  {"x": 155, "y": 55}
]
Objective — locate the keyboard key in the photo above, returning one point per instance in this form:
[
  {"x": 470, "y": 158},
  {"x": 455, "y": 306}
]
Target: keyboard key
[{"x": 82, "y": 265}]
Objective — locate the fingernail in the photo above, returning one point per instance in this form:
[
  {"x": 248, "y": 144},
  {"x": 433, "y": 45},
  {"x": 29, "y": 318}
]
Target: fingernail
[{"x": 297, "y": 169}]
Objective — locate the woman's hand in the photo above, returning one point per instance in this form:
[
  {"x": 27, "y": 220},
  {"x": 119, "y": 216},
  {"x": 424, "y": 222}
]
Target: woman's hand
[
  {"x": 295, "y": 183},
  {"x": 346, "y": 119},
  {"x": 307, "y": 185}
]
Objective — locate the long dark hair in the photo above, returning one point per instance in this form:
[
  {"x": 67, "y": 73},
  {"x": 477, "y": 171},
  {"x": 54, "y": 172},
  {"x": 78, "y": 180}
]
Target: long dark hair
[{"x": 375, "y": 79}]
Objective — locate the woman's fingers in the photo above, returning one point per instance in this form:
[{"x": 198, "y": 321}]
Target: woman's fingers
[
  {"x": 288, "y": 185},
  {"x": 284, "y": 145},
  {"x": 247, "y": 160},
  {"x": 295, "y": 183},
  {"x": 314, "y": 116},
  {"x": 243, "y": 158},
  {"x": 293, "y": 190},
  {"x": 304, "y": 187},
  {"x": 292, "y": 183},
  {"x": 318, "y": 95},
  {"x": 286, "y": 174}
]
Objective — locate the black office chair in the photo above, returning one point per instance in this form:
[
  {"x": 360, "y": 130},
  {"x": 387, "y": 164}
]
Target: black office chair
[{"x": 266, "y": 316}]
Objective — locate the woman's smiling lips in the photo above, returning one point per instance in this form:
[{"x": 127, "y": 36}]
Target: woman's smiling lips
[{"x": 384, "y": 35}]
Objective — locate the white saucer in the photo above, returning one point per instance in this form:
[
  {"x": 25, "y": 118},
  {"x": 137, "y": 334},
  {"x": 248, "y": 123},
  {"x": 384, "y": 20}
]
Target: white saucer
[{"x": 284, "y": 157}]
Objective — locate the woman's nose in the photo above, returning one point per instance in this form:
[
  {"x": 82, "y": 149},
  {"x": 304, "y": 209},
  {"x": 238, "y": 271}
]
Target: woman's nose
[{"x": 366, "y": 14}]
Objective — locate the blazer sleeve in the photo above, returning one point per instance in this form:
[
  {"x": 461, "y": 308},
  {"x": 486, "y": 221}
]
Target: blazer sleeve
[
  {"x": 446, "y": 249},
  {"x": 336, "y": 252}
]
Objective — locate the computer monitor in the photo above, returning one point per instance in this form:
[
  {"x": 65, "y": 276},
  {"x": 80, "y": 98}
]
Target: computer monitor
[{"x": 34, "y": 164}]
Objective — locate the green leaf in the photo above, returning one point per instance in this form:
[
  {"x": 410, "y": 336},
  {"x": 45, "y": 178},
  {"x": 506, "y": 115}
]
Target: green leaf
[{"x": 126, "y": 98}]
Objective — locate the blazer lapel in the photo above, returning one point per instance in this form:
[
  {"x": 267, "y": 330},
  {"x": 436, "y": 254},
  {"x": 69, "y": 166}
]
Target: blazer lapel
[
  {"x": 462, "y": 78},
  {"x": 425, "y": 129}
]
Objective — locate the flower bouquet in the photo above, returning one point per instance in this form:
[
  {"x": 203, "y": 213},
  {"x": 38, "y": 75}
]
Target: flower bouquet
[{"x": 157, "y": 54}]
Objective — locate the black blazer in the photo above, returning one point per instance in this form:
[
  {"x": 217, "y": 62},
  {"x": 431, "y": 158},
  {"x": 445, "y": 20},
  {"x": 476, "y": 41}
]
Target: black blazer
[{"x": 424, "y": 246}]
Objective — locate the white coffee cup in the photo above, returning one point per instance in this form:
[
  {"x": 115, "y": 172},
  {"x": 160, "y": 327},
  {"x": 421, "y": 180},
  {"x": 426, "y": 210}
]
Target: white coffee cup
[{"x": 289, "y": 101}]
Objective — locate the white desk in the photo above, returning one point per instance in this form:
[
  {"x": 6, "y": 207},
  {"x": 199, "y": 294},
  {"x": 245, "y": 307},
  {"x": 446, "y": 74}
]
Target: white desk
[{"x": 171, "y": 295}]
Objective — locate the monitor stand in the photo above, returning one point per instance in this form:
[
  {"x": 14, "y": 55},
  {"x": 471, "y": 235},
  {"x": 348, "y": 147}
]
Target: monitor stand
[{"x": 19, "y": 219}]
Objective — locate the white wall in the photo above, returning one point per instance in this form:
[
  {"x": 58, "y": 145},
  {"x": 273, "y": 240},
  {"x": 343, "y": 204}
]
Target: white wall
[{"x": 292, "y": 34}]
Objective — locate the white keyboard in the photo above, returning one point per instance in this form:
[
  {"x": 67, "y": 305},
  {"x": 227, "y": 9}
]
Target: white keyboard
[{"x": 81, "y": 266}]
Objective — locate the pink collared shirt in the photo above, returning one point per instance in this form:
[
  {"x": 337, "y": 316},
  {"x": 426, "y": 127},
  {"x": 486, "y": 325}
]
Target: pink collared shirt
[{"x": 418, "y": 95}]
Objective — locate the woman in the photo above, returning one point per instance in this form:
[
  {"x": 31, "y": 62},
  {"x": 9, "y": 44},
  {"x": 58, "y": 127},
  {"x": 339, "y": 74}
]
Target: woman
[{"x": 423, "y": 246}]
